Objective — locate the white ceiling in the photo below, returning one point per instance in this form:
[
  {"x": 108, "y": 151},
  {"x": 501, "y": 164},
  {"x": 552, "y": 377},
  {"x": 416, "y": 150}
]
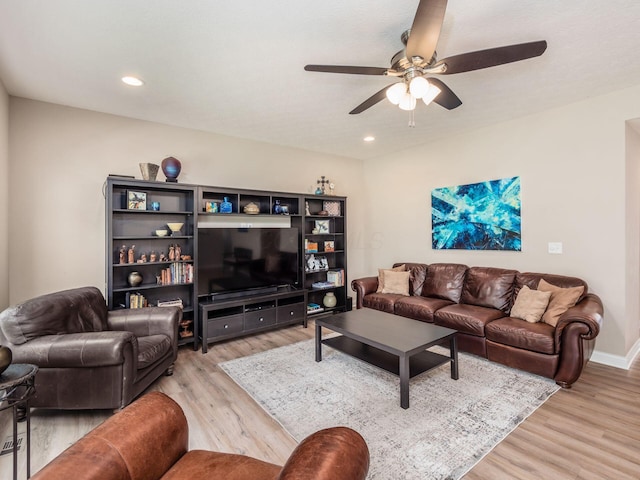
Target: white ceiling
[{"x": 236, "y": 67}]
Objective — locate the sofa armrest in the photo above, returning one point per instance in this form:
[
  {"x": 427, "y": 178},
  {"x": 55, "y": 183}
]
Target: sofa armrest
[
  {"x": 78, "y": 350},
  {"x": 337, "y": 453},
  {"x": 146, "y": 321},
  {"x": 588, "y": 311},
  {"x": 362, "y": 287}
]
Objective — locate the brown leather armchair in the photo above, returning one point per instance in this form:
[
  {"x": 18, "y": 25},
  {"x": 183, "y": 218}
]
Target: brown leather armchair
[
  {"x": 149, "y": 440},
  {"x": 88, "y": 357}
]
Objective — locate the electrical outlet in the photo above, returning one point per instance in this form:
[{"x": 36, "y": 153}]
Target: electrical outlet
[{"x": 555, "y": 247}]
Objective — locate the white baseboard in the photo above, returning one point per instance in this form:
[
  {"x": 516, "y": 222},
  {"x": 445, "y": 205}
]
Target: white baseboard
[{"x": 617, "y": 361}]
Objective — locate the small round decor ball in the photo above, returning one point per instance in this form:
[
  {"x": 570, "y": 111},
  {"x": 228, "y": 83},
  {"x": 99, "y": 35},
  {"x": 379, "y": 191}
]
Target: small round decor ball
[
  {"x": 134, "y": 279},
  {"x": 171, "y": 168},
  {"x": 329, "y": 300},
  {"x": 5, "y": 358}
]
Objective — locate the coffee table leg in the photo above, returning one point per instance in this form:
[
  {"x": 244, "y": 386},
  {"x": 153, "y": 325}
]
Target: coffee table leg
[
  {"x": 404, "y": 381},
  {"x": 453, "y": 347},
  {"x": 318, "y": 343}
]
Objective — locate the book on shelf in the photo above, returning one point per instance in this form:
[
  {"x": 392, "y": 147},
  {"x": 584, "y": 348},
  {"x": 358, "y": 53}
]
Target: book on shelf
[
  {"x": 314, "y": 308},
  {"x": 177, "y": 273},
  {"x": 136, "y": 300},
  {"x": 311, "y": 247},
  {"x": 321, "y": 285},
  {"x": 336, "y": 277},
  {"x": 171, "y": 303}
]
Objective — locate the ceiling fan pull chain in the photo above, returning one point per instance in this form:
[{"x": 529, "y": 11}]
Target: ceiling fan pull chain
[{"x": 412, "y": 119}]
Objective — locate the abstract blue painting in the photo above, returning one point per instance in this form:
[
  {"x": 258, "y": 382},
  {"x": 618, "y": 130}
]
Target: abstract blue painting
[{"x": 477, "y": 216}]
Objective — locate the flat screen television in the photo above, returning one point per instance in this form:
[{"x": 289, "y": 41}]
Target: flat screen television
[{"x": 236, "y": 260}]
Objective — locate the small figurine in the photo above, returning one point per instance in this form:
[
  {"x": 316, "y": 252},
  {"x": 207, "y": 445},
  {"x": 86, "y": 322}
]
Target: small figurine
[
  {"x": 143, "y": 258},
  {"x": 177, "y": 250},
  {"x": 306, "y": 208},
  {"x": 123, "y": 251},
  {"x": 332, "y": 187},
  {"x": 172, "y": 253},
  {"x": 163, "y": 257},
  {"x": 153, "y": 257},
  {"x": 131, "y": 254}
]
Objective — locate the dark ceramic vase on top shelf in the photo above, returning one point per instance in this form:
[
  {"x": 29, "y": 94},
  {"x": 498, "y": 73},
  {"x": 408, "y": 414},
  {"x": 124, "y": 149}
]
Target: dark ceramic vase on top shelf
[{"x": 171, "y": 167}]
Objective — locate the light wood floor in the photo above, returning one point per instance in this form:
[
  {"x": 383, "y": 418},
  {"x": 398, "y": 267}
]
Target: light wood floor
[{"x": 591, "y": 431}]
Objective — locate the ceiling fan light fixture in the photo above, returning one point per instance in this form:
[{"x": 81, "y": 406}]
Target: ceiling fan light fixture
[
  {"x": 408, "y": 102},
  {"x": 432, "y": 93},
  {"x": 419, "y": 87},
  {"x": 396, "y": 92}
]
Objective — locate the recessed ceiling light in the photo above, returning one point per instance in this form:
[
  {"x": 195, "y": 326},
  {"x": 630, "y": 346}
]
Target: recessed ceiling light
[
  {"x": 133, "y": 81},
  {"x": 369, "y": 138}
]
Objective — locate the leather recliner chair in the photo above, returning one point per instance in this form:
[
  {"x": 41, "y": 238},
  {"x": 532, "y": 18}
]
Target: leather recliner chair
[
  {"x": 150, "y": 438},
  {"x": 88, "y": 357}
]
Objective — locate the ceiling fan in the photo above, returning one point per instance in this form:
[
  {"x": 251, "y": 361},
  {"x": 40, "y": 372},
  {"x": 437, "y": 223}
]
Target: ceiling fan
[{"x": 418, "y": 59}]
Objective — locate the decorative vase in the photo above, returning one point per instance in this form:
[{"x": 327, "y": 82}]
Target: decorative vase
[
  {"x": 226, "y": 206},
  {"x": 5, "y": 358},
  {"x": 329, "y": 300},
  {"x": 251, "y": 208},
  {"x": 149, "y": 171},
  {"x": 171, "y": 168},
  {"x": 134, "y": 279},
  {"x": 277, "y": 208}
]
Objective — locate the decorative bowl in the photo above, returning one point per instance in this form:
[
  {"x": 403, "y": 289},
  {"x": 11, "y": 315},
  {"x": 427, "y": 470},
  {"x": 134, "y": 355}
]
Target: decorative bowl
[
  {"x": 162, "y": 233},
  {"x": 175, "y": 227},
  {"x": 251, "y": 208}
]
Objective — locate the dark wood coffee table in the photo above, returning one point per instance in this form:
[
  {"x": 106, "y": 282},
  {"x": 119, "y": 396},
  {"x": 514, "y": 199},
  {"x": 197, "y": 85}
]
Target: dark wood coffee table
[{"x": 393, "y": 343}]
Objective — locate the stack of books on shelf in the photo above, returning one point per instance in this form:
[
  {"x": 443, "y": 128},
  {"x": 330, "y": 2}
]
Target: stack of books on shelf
[
  {"x": 321, "y": 285},
  {"x": 171, "y": 303},
  {"x": 314, "y": 308},
  {"x": 310, "y": 247},
  {"x": 177, "y": 273},
  {"x": 336, "y": 277},
  {"x": 136, "y": 300}
]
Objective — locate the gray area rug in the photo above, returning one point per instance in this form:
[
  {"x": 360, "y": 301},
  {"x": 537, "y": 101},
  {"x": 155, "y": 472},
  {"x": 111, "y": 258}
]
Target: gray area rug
[{"x": 448, "y": 428}]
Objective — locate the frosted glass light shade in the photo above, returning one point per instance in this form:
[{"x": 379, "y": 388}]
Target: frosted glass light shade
[
  {"x": 408, "y": 102},
  {"x": 419, "y": 87},
  {"x": 432, "y": 93},
  {"x": 396, "y": 92}
]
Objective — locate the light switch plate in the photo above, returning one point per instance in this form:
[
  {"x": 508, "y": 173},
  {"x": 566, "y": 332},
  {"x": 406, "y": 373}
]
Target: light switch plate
[{"x": 555, "y": 247}]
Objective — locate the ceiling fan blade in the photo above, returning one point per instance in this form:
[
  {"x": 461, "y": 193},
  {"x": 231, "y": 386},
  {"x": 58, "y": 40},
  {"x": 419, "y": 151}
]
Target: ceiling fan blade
[
  {"x": 371, "y": 101},
  {"x": 425, "y": 30},
  {"x": 491, "y": 57},
  {"x": 446, "y": 98},
  {"x": 346, "y": 69}
]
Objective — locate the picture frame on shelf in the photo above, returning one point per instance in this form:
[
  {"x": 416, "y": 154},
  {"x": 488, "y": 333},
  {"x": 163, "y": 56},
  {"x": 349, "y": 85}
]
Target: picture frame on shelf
[
  {"x": 136, "y": 200},
  {"x": 322, "y": 226},
  {"x": 332, "y": 207},
  {"x": 329, "y": 246}
]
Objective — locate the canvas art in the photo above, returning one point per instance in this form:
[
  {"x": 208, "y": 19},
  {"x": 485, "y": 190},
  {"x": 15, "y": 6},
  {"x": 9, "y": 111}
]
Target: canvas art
[{"x": 477, "y": 216}]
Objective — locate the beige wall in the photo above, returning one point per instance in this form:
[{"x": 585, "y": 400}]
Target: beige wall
[
  {"x": 633, "y": 230},
  {"x": 4, "y": 197},
  {"x": 572, "y": 165},
  {"x": 61, "y": 157}
]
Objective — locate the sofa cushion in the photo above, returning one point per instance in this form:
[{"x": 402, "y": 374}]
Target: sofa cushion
[
  {"x": 418, "y": 272},
  {"x": 469, "y": 319},
  {"x": 396, "y": 282},
  {"x": 536, "y": 337},
  {"x": 444, "y": 280},
  {"x": 489, "y": 287},
  {"x": 562, "y": 299},
  {"x": 151, "y": 349},
  {"x": 381, "y": 301},
  {"x": 419, "y": 308},
  {"x": 530, "y": 304},
  {"x": 206, "y": 464},
  {"x": 533, "y": 279},
  {"x": 383, "y": 271}
]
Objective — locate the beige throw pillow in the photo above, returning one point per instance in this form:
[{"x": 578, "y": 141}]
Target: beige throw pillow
[
  {"x": 530, "y": 305},
  {"x": 562, "y": 299},
  {"x": 396, "y": 282},
  {"x": 381, "y": 272}
]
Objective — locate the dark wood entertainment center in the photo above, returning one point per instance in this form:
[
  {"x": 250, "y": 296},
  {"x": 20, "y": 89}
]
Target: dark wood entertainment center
[{"x": 135, "y": 209}]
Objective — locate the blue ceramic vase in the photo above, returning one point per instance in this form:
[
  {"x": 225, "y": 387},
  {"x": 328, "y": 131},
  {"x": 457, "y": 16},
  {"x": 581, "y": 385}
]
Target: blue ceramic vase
[
  {"x": 171, "y": 168},
  {"x": 226, "y": 206}
]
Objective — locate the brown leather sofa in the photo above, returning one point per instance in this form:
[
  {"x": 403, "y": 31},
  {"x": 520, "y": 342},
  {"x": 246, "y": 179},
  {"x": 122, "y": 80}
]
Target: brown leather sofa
[
  {"x": 149, "y": 440},
  {"x": 476, "y": 301},
  {"x": 88, "y": 357}
]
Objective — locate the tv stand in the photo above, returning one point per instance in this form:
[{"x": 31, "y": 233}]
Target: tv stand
[{"x": 225, "y": 318}]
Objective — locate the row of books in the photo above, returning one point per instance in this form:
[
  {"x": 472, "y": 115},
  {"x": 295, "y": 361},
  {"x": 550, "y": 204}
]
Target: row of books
[
  {"x": 314, "y": 308},
  {"x": 177, "y": 273},
  {"x": 137, "y": 300},
  {"x": 336, "y": 277}
]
